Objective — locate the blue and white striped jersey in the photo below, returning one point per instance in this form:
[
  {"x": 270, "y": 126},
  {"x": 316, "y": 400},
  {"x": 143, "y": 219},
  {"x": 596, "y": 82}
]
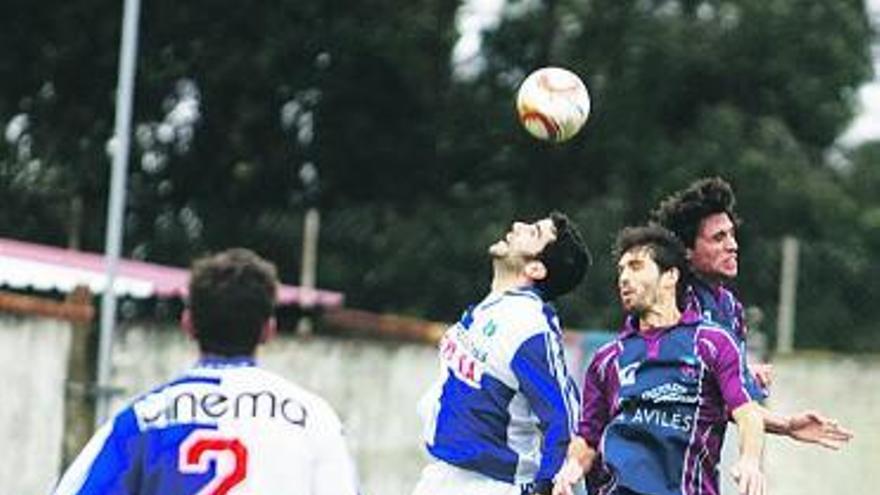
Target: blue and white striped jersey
[
  {"x": 223, "y": 427},
  {"x": 505, "y": 405}
]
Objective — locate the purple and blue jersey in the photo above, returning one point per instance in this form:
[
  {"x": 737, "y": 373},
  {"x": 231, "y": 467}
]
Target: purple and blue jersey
[
  {"x": 504, "y": 406},
  {"x": 720, "y": 306},
  {"x": 655, "y": 407},
  {"x": 224, "y": 426}
]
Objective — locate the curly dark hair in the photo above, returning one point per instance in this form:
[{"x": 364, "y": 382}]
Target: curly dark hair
[
  {"x": 567, "y": 258},
  {"x": 666, "y": 250},
  {"x": 684, "y": 210},
  {"x": 231, "y": 295}
]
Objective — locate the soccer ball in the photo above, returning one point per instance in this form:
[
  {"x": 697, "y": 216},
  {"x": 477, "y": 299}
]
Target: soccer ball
[{"x": 553, "y": 104}]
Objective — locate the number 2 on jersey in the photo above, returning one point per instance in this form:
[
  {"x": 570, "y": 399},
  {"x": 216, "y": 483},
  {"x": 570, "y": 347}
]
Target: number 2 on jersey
[{"x": 229, "y": 454}]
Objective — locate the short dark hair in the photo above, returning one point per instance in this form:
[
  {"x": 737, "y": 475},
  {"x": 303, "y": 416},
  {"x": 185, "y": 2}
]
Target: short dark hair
[
  {"x": 231, "y": 295},
  {"x": 684, "y": 210},
  {"x": 665, "y": 247},
  {"x": 567, "y": 258}
]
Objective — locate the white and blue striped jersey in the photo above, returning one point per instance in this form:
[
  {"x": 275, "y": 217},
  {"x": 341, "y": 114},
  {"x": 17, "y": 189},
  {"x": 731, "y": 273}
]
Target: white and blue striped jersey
[
  {"x": 223, "y": 427},
  {"x": 505, "y": 405}
]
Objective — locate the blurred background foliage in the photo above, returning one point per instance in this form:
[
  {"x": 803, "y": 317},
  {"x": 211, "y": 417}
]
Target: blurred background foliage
[{"x": 421, "y": 161}]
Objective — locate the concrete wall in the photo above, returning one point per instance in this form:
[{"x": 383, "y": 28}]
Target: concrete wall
[
  {"x": 847, "y": 388},
  {"x": 374, "y": 386},
  {"x": 33, "y": 366}
]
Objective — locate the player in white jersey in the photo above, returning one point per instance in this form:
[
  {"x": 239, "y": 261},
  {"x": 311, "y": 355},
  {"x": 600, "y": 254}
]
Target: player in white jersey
[
  {"x": 224, "y": 426},
  {"x": 499, "y": 420}
]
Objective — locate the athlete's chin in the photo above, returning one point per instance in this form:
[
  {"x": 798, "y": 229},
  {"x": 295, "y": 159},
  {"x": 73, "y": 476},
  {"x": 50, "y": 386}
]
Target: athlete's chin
[
  {"x": 498, "y": 250},
  {"x": 729, "y": 271}
]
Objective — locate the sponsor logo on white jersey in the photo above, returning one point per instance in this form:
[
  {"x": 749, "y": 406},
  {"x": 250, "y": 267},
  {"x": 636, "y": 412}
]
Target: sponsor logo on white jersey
[
  {"x": 184, "y": 405},
  {"x": 463, "y": 357}
]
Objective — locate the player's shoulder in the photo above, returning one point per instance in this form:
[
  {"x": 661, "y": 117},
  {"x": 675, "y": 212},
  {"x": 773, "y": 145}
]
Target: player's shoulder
[
  {"x": 320, "y": 417},
  {"x": 243, "y": 384},
  {"x": 608, "y": 349},
  {"x": 714, "y": 337},
  {"x": 605, "y": 355},
  {"x": 709, "y": 326},
  {"x": 288, "y": 388},
  {"x": 159, "y": 395},
  {"x": 521, "y": 312},
  {"x": 728, "y": 292}
]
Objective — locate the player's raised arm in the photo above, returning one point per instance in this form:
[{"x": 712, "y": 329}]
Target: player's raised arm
[
  {"x": 747, "y": 469},
  {"x": 809, "y": 427},
  {"x": 722, "y": 354}
]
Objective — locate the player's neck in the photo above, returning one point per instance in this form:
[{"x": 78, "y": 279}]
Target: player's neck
[
  {"x": 504, "y": 280},
  {"x": 210, "y": 356},
  {"x": 661, "y": 315},
  {"x": 712, "y": 281}
]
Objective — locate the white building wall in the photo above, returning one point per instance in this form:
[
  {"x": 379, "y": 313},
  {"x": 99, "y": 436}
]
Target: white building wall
[
  {"x": 374, "y": 386},
  {"x": 33, "y": 368}
]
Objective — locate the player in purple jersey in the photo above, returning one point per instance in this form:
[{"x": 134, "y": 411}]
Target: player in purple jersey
[
  {"x": 656, "y": 399},
  {"x": 224, "y": 426},
  {"x": 703, "y": 216}
]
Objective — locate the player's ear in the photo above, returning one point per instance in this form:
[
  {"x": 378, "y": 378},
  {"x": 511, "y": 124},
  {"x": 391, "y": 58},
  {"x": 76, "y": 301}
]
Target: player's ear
[
  {"x": 535, "y": 270},
  {"x": 672, "y": 275},
  {"x": 269, "y": 330},
  {"x": 186, "y": 323}
]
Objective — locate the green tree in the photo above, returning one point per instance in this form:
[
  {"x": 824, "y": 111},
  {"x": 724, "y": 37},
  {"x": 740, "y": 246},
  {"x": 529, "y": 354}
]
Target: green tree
[
  {"x": 420, "y": 168},
  {"x": 754, "y": 91}
]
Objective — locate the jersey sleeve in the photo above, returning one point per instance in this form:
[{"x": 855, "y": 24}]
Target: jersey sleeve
[
  {"x": 541, "y": 377},
  {"x": 722, "y": 355},
  {"x": 754, "y": 389},
  {"x": 108, "y": 462},
  {"x": 596, "y": 410},
  {"x": 335, "y": 472}
]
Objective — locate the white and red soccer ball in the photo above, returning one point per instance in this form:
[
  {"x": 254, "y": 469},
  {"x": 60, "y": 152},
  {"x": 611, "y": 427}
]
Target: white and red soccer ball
[{"x": 553, "y": 104}]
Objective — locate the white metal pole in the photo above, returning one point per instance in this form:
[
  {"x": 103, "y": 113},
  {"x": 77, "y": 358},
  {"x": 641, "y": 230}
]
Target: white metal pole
[
  {"x": 787, "y": 295},
  {"x": 309, "y": 268},
  {"x": 116, "y": 205}
]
